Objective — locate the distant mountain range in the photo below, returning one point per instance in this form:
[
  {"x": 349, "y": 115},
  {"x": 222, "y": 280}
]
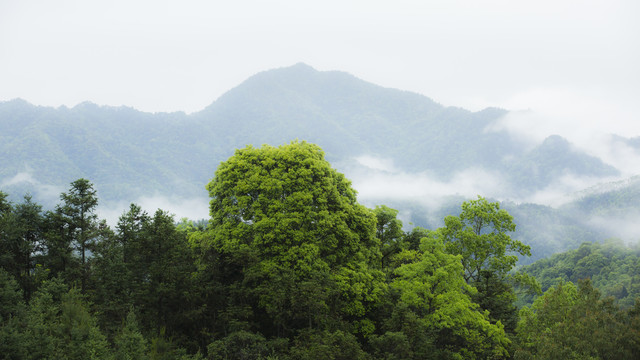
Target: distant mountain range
[{"x": 128, "y": 153}]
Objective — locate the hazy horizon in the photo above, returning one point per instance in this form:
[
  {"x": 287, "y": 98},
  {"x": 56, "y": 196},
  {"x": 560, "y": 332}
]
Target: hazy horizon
[
  {"x": 566, "y": 68},
  {"x": 562, "y": 60}
]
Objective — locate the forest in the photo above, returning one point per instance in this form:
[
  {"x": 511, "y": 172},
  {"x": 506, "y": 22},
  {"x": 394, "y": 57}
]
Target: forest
[{"x": 290, "y": 266}]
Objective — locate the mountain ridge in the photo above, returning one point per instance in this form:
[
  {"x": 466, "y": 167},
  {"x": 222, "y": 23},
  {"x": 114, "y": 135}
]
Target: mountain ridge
[
  {"x": 129, "y": 154},
  {"x": 345, "y": 115}
]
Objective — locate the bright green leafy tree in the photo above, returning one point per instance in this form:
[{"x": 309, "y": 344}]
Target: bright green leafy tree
[
  {"x": 389, "y": 232},
  {"x": 296, "y": 249},
  {"x": 433, "y": 315},
  {"x": 480, "y": 236}
]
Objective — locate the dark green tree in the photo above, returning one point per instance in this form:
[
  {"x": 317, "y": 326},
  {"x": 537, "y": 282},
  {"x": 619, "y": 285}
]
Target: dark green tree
[
  {"x": 12, "y": 319},
  {"x": 162, "y": 284},
  {"x": 130, "y": 344},
  {"x": 78, "y": 212},
  {"x": 570, "y": 322},
  {"x": 110, "y": 281},
  {"x": 60, "y": 326},
  {"x": 9, "y": 242},
  {"x": 30, "y": 230},
  {"x": 58, "y": 258}
]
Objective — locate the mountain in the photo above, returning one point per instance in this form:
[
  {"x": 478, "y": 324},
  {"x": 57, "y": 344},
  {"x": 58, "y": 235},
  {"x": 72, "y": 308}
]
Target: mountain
[
  {"x": 551, "y": 160},
  {"x": 348, "y": 117},
  {"x": 129, "y": 154}
]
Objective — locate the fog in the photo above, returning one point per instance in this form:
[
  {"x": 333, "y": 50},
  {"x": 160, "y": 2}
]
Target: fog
[
  {"x": 586, "y": 118},
  {"x": 48, "y": 195},
  {"x": 377, "y": 180},
  {"x": 25, "y": 183},
  {"x": 622, "y": 226},
  {"x": 192, "y": 208}
]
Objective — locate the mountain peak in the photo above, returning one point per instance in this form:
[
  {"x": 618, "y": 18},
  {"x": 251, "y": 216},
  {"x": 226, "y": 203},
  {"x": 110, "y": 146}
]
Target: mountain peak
[
  {"x": 301, "y": 66},
  {"x": 556, "y": 142}
]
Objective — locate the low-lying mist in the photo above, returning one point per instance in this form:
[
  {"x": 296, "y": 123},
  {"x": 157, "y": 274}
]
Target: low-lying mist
[
  {"x": 428, "y": 198},
  {"x": 48, "y": 196},
  {"x": 586, "y": 117},
  {"x": 192, "y": 208}
]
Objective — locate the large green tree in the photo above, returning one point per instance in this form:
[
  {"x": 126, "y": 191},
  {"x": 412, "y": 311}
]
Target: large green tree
[
  {"x": 21, "y": 228},
  {"x": 296, "y": 249}
]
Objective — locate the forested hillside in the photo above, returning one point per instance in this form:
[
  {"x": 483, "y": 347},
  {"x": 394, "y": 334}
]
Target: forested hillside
[
  {"x": 612, "y": 267},
  {"x": 289, "y": 266},
  {"x": 129, "y": 153}
]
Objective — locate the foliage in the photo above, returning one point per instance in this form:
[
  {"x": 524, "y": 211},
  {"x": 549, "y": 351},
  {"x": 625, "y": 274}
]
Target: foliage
[
  {"x": 130, "y": 344},
  {"x": 389, "y": 231},
  {"x": 613, "y": 268},
  {"x": 435, "y": 312},
  {"x": 572, "y": 322},
  {"x": 288, "y": 224},
  {"x": 60, "y": 326},
  {"x": 20, "y": 240},
  {"x": 291, "y": 266},
  {"x": 479, "y": 236}
]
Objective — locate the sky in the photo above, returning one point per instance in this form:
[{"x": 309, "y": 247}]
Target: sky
[
  {"x": 562, "y": 67},
  {"x": 182, "y": 55}
]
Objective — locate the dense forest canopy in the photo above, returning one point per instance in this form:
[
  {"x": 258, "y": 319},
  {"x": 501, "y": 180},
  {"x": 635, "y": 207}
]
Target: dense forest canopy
[{"x": 291, "y": 266}]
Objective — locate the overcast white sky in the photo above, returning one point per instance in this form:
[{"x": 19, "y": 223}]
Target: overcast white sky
[{"x": 575, "y": 62}]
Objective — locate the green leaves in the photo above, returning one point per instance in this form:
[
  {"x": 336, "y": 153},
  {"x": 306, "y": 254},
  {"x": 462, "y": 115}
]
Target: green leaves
[
  {"x": 488, "y": 254},
  {"x": 433, "y": 293},
  {"x": 479, "y": 234},
  {"x": 292, "y": 225},
  {"x": 572, "y": 322}
]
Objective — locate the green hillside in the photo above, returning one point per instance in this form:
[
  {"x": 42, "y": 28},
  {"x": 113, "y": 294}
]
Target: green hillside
[
  {"x": 129, "y": 153},
  {"x": 613, "y": 267}
]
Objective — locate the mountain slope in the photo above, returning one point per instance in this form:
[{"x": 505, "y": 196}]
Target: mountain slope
[
  {"x": 129, "y": 154},
  {"x": 350, "y": 117}
]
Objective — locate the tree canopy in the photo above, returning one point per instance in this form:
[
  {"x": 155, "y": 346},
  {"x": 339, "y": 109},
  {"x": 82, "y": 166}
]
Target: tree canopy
[
  {"x": 290, "y": 225},
  {"x": 291, "y": 266}
]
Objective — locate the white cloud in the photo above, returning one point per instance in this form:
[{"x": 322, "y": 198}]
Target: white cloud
[
  {"x": 585, "y": 117},
  {"x": 375, "y": 163},
  {"x": 562, "y": 190},
  {"x": 41, "y": 192},
  {"x": 625, "y": 227}
]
